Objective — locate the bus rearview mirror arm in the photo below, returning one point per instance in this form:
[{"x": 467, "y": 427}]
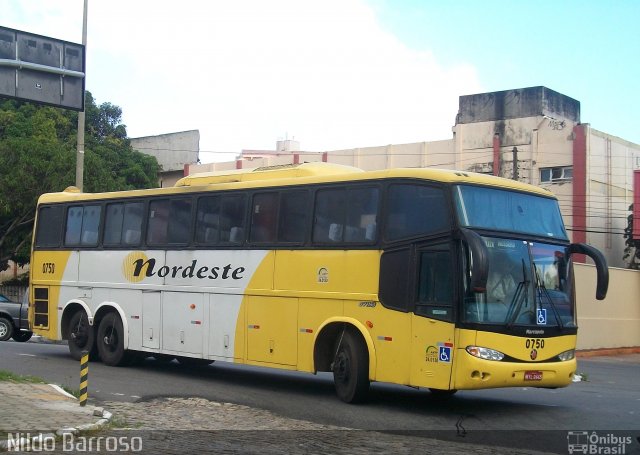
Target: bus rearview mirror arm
[
  {"x": 601, "y": 266},
  {"x": 479, "y": 259}
]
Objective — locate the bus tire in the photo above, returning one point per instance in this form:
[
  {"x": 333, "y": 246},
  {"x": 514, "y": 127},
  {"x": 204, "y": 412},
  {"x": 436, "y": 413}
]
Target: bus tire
[
  {"x": 111, "y": 341},
  {"x": 351, "y": 368},
  {"x": 81, "y": 335}
]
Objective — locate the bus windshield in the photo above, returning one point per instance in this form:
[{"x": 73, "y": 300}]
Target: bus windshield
[
  {"x": 503, "y": 210},
  {"x": 527, "y": 284}
]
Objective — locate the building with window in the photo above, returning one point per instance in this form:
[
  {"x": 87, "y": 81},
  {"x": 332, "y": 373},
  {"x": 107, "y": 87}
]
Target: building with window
[{"x": 534, "y": 135}]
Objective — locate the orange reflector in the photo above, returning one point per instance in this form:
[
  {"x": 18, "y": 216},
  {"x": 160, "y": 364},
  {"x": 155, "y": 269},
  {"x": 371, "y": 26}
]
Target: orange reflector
[
  {"x": 381, "y": 338},
  {"x": 369, "y": 324},
  {"x": 192, "y": 306}
]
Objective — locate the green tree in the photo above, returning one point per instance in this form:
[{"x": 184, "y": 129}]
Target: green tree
[
  {"x": 37, "y": 155},
  {"x": 632, "y": 246}
]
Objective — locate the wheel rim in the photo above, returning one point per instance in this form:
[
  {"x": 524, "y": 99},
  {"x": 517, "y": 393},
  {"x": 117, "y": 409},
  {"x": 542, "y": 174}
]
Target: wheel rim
[
  {"x": 79, "y": 334},
  {"x": 111, "y": 339},
  {"x": 342, "y": 368},
  {"x": 3, "y": 330}
]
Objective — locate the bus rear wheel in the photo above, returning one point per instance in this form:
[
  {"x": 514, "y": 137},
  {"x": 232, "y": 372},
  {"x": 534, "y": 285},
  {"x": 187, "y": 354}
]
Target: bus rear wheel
[
  {"x": 81, "y": 335},
  {"x": 111, "y": 341},
  {"x": 351, "y": 368}
]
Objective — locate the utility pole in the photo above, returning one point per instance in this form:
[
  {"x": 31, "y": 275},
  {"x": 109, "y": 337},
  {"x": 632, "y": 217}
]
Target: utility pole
[
  {"x": 515, "y": 163},
  {"x": 80, "y": 148}
]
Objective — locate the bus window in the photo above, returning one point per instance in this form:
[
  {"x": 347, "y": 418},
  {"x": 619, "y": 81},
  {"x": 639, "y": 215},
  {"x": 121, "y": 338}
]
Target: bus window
[
  {"x": 220, "y": 219},
  {"x": 82, "y": 225},
  {"x": 179, "y": 229},
  {"x": 346, "y": 215},
  {"x": 435, "y": 283},
  {"x": 169, "y": 222},
  {"x": 361, "y": 215},
  {"x": 132, "y": 223},
  {"x": 123, "y": 224},
  {"x": 415, "y": 210},
  {"x": 49, "y": 226},
  {"x": 264, "y": 214},
  {"x": 158, "y": 222},
  {"x": 292, "y": 226}
]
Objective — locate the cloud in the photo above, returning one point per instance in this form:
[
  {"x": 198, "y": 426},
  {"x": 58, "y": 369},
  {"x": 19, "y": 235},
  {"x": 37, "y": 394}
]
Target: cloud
[{"x": 247, "y": 72}]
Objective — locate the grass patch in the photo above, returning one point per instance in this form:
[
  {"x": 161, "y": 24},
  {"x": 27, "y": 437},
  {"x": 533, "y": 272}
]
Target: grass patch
[
  {"x": 12, "y": 377},
  {"x": 74, "y": 392}
]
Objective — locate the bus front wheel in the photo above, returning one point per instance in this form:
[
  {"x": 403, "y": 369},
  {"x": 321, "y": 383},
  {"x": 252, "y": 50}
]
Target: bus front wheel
[
  {"x": 81, "y": 335},
  {"x": 111, "y": 341},
  {"x": 351, "y": 368}
]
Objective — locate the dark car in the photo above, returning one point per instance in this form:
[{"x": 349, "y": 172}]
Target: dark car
[{"x": 14, "y": 322}]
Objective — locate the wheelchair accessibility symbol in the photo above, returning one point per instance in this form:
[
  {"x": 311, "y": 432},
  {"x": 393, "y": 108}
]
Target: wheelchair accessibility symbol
[
  {"x": 444, "y": 354},
  {"x": 541, "y": 316}
]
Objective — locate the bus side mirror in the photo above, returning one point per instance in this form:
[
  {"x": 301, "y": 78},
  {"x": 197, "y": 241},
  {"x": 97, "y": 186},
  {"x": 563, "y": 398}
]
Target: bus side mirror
[
  {"x": 479, "y": 259},
  {"x": 601, "y": 266}
]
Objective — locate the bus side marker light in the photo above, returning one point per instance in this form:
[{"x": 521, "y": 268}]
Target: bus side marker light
[
  {"x": 306, "y": 330},
  {"x": 192, "y": 306},
  {"x": 381, "y": 338},
  {"x": 369, "y": 324}
]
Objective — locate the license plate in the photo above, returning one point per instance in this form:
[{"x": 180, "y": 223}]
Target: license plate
[{"x": 533, "y": 375}]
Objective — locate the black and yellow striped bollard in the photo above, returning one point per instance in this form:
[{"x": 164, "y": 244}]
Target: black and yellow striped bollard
[{"x": 84, "y": 378}]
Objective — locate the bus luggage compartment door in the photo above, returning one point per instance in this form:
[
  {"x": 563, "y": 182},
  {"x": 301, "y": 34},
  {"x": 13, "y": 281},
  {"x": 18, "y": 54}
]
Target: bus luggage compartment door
[{"x": 182, "y": 322}]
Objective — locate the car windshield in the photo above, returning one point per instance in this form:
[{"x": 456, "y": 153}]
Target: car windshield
[
  {"x": 511, "y": 211},
  {"x": 4, "y": 299},
  {"x": 527, "y": 284}
]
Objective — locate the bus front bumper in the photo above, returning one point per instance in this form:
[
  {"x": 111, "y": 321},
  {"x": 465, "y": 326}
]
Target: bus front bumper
[{"x": 474, "y": 373}]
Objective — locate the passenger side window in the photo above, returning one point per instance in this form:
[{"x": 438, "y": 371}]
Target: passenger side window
[
  {"x": 49, "y": 226},
  {"x": 169, "y": 221},
  {"x": 346, "y": 215},
  {"x": 264, "y": 214},
  {"x": 83, "y": 223},
  {"x": 415, "y": 210},
  {"x": 294, "y": 207},
  {"x": 123, "y": 224},
  {"x": 220, "y": 219}
]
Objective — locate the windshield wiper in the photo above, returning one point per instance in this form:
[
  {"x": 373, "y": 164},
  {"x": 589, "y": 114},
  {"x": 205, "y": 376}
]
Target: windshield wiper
[
  {"x": 518, "y": 298},
  {"x": 541, "y": 286}
]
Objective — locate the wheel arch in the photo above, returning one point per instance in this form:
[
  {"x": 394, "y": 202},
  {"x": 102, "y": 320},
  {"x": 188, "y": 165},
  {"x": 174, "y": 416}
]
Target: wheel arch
[
  {"x": 71, "y": 308},
  {"x": 109, "y": 307},
  {"x": 324, "y": 343},
  {"x": 4, "y": 314}
]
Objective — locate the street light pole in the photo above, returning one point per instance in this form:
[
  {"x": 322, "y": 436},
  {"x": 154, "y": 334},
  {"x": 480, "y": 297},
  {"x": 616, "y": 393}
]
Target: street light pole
[{"x": 80, "y": 148}]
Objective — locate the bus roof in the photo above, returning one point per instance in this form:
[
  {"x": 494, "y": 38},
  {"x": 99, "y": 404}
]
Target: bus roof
[{"x": 296, "y": 174}]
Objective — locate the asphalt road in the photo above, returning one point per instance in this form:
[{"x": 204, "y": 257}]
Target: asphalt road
[{"x": 608, "y": 400}]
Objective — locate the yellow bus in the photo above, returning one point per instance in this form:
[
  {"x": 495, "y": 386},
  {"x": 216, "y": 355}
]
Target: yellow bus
[{"x": 429, "y": 278}]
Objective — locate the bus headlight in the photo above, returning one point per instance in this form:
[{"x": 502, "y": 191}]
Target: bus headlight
[
  {"x": 567, "y": 355},
  {"x": 485, "y": 353}
]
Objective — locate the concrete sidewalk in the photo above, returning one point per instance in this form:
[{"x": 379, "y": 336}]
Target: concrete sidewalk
[
  {"x": 193, "y": 425},
  {"x": 30, "y": 410}
]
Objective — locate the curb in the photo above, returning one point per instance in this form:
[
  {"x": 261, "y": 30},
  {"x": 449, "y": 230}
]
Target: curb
[
  {"x": 37, "y": 441},
  {"x": 608, "y": 352}
]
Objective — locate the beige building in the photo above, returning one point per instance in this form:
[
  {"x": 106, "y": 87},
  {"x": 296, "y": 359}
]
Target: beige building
[
  {"x": 534, "y": 135},
  {"x": 173, "y": 151}
]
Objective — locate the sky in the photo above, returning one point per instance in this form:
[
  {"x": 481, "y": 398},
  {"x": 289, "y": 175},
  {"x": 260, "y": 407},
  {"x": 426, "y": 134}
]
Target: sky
[{"x": 335, "y": 74}]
